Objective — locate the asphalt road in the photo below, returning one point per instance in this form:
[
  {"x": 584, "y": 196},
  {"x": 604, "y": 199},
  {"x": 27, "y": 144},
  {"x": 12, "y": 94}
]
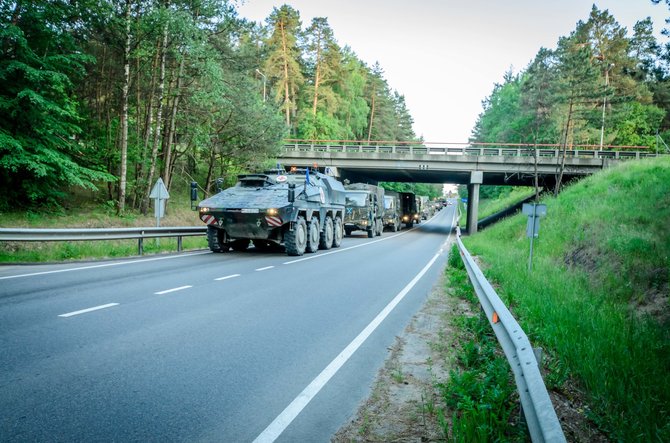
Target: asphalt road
[{"x": 230, "y": 347}]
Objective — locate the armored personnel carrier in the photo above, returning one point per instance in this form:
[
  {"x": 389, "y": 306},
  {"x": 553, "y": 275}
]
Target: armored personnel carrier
[
  {"x": 364, "y": 209},
  {"x": 302, "y": 210}
]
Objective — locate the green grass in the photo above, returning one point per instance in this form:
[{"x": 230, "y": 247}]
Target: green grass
[
  {"x": 102, "y": 215},
  {"x": 598, "y": 293},
  {"x": 489, "y": 206},
  {"x": 479, "y": 397}
]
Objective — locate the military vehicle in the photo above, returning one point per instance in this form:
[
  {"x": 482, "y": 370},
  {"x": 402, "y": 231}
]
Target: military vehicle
[
  {"x": 364, "y": 209},
  {"x": 409, "y": 212},
  {"x": 391, "y": 210},
  {"x": 301, "y": 209}
]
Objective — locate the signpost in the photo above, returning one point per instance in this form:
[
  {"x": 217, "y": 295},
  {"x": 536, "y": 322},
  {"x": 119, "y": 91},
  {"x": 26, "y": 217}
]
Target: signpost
[
  {"x": 534, "y": 213},
  {"x": 159, "y": 194}
]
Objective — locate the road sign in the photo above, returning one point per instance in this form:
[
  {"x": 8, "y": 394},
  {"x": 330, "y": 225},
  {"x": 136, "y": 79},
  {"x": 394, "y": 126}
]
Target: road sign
[
  {"x": 534, "y": 212},
  {"x": 159, "y": 194}
]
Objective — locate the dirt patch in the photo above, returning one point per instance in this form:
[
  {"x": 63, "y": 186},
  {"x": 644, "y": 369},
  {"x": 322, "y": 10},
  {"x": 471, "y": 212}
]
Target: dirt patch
[{"x": 398, "y": 409}]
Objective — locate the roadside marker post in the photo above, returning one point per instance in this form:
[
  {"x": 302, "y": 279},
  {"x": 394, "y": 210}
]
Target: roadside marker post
[
  {"x": 159, "y": 194},
  {"x": 534, "y": 212}
]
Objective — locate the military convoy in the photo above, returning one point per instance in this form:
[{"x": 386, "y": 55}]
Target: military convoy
[
  {"x": 301, "y": 209},
  {"x": 364, "y": 209}
]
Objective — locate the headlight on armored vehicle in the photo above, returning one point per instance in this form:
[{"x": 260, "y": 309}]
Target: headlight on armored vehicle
[
  {"x": 204, "y": 209},
  {"x": 272, "y": 211}
]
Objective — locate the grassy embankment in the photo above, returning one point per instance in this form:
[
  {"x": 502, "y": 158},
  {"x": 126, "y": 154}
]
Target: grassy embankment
[
  {"x": 88, "y": 215},
  {"x": 491, "y": 206},
  {"x": 597, "y": 297}
]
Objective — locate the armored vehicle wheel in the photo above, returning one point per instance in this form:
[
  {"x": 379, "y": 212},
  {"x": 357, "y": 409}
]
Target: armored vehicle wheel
[
  {"x": 240, "y": 245},
  {"x": 380, "y": 228},
  {"x": 313, "y": 235},
  {"x": 296, "y": 240},
  {"x": 409, "y": 225},
  {"x": 347, "y": 231},
  {"x": 371, "y": 229},
  {"x": 337, "y": 232},
  {"x": 326, "y": 239},
  {"x": 216, "y": 239}
]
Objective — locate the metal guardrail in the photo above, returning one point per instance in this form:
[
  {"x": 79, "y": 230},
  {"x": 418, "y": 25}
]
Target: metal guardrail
[
  {"x": 543, "y": 424},
  {"x": 466, "y": 150},
  {"x": 32, "y": 235}
]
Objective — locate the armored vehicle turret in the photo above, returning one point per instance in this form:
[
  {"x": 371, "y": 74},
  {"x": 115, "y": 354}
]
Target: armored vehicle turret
[{"x": 302, "y": 210}]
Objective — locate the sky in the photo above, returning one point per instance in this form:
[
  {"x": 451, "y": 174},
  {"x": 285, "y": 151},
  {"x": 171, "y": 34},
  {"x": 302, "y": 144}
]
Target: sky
[{"x": 445, "y": 56}]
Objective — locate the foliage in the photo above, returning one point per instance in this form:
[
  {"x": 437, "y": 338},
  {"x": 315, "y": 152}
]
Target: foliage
[
  {"x": 432, "y": 191},
  {"x": 41, "y": 146},
  {"x": 115, "y": 94},
  {"x": 597, "y": 295},
  {"x": 598, "y": 86}
]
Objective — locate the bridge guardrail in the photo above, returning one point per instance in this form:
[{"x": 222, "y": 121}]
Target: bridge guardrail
[
  {"x": 543, "y": 424},
  {"x": 510, "y": 151},
  {"x": 77, "y": 234}
]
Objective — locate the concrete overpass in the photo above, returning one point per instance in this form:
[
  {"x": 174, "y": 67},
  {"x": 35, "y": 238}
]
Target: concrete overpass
[{"x": 512, "y": 165}]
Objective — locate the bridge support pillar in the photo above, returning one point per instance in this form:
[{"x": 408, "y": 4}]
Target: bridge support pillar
[{"x": 476, "y": 178}]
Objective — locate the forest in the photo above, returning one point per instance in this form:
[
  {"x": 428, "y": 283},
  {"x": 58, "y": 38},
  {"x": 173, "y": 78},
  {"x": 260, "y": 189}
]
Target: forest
[
  {"x": 106, "y": 96},
  {"x": 599, "y": 87},
  {"x": 109, "y": 95}
]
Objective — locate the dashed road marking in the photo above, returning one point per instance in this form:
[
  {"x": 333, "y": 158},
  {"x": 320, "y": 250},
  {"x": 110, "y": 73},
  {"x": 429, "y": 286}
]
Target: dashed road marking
[
  {"x": 84, "y": 311},
  {"x": 172, "y": 290}
]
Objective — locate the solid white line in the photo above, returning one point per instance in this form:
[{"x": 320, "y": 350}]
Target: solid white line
[
  {"x": 84, "y": 311},
  {"x": 265, "y": 268},
  {"x": 172, "y": 290},
  {"x": 275, "y": 429},
  {"x": 227, "y": 277},
  {"x": 103, "y": 265}
]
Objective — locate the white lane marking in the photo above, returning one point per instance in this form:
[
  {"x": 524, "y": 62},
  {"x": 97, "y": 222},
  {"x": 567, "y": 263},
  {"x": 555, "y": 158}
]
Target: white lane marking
[
  {"x": 227, "y": 277},
  {"x": 103, "y": 265},
  {"x": 172, "y": 290},
  {"x": 265, "y": 268},
  {"x": 283, "y": 420},
  {"x": 84, "y": 311}
]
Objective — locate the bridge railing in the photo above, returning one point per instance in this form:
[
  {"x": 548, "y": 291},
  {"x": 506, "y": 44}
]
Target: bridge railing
[{"x": 474, "y": 149}]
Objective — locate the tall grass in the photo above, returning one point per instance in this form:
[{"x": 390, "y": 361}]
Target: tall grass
[{"x": 598, "y": 292}]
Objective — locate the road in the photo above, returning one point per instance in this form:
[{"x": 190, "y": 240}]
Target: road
[{"x": 236, "y": 347}]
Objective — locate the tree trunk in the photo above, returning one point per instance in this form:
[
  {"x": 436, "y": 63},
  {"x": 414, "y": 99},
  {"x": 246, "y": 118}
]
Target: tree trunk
[
  {"x": 372, "y": 114},
  {"x": 124, "y": 115},
  {"x": 159, "y": 122},
  {"x": 564, "y": 149},
  {"x": 171, "y": 128},
  {"x": 317, "y": 76},
  {"x": 287, "y": 97}
]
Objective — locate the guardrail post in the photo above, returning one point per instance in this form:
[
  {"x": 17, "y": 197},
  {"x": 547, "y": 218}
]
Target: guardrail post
[
  {"x": 140, "y": 246},
  {"x": 179, "y": 247}
]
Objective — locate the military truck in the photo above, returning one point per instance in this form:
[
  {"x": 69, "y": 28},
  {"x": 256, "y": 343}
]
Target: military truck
[
  {"x": 302, "y": 210},
  {"x": 409, "y": 212},
  {"x": 364, "y": 209},
  {"x": 391, "y": 210}
]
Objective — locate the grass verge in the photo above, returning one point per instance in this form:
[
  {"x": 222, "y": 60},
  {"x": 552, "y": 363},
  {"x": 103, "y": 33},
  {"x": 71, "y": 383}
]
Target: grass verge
[
  {"x": 95, "y": 216},
  {"x": 598, "y": 293},
  {"x": 479, "y": 398}
]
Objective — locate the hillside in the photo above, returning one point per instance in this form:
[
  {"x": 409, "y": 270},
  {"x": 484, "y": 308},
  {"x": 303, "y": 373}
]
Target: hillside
[{"x": 597, "y": 297}]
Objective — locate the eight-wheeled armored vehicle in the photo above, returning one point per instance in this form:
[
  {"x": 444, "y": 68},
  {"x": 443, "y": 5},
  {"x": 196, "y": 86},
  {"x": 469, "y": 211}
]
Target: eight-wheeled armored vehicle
[
  {"x": 300, "y": 209},
  {"x": 364, "y": 209}
]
